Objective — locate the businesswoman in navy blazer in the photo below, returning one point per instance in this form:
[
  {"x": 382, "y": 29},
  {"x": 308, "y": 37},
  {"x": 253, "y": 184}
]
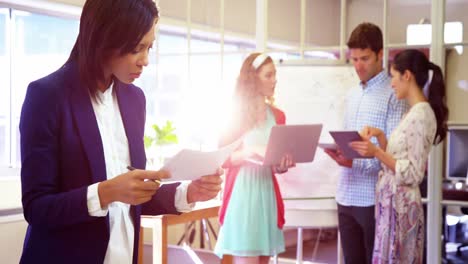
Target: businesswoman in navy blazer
[{"x": 81, "y": 127}]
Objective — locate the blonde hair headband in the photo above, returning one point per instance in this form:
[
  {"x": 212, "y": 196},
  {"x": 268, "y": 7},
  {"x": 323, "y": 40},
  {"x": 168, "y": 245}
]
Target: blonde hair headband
[{"x": 259, "y": 60}]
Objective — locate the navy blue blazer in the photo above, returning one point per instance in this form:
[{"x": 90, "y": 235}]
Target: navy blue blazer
[{"x": 61, "y": 155}]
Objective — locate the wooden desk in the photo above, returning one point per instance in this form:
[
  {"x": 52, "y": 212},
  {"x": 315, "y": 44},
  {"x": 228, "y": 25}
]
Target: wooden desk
[
  {"x": 160, "y": 223},
  {"x": 454, "y": 194},
  {"x": 300, "y": 214}
]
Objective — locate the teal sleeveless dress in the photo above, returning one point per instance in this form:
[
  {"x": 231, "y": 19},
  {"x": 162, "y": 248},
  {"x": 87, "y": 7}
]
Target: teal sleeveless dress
[{"x": 250, "y": 224}]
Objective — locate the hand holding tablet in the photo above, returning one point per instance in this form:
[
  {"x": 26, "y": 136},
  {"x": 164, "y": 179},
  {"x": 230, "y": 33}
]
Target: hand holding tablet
[{"x": 343, "y": 138}]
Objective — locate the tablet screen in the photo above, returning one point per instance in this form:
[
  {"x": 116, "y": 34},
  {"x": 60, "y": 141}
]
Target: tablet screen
[{"x": 343, "y": 138}]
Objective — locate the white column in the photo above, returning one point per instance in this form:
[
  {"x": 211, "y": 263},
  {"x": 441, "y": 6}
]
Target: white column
[
  {"x": 385, "y": 30},
  {"x": 261, "y": 25},
  {"x": 343, "y": 26},
  {"x": 435, "y": 173},
  {"x": 302, "y": 28},
  {"x": 221, "y": 36}
]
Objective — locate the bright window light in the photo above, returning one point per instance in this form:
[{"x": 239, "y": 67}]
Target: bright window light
[
  {"x": 421, "y": 34},
  {"x": 418, "y": 34},
  {"x": 453, "y": 32}
]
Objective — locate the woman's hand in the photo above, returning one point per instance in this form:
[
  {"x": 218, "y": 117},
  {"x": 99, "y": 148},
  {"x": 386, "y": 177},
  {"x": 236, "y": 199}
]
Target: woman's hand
[
  {"x": 255, "y": 151},
  {"x": 285, "y": 163},
  {"x": 364, "y": 148},
  {"x": 339, "y": 158},
  {"x": 368, "y": 132},
  {"x": 238, "y": 157},
  {"x": 134, "y": 187},
  {"x": 205, "y": 188}
]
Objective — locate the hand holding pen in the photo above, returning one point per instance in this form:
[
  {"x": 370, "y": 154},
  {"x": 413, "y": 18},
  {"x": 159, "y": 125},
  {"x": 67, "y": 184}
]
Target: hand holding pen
[
  {"x": 133, "y": 187},
  {"x": 158, "y": 181}
]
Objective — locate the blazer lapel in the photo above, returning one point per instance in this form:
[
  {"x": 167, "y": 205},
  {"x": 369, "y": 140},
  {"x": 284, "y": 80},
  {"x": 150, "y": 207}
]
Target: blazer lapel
[{"x": 88, "y": 130}]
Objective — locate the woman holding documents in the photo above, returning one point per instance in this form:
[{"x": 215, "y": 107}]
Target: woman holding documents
[
  {"x": 399, "y": 213},
  {"x": 252, "y": 213},
  {"x": 81, "y": 126}
]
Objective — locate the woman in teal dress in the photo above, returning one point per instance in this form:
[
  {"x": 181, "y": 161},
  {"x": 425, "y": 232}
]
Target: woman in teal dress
[{"x": 252, "y": 213}]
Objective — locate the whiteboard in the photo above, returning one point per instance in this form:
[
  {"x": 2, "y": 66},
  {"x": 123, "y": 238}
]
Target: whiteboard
[{"x": 312, "y": 95}]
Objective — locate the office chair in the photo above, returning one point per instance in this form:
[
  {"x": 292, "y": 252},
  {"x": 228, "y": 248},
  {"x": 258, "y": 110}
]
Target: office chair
[{"x": 465, "y": 242}]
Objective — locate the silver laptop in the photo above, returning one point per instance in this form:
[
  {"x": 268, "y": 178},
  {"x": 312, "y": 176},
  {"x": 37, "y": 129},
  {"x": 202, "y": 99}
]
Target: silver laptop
[{"x": 300, "y": 141}]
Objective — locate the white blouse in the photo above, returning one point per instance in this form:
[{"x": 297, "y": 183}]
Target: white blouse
[{"x": 117, "y": 158}]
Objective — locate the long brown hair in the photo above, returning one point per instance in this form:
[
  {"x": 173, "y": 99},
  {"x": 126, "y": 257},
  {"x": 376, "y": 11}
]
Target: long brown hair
[
  {"x": 417, "y": 63},
  {"x": 107, "y": 27},
  {"x": 247, "y": 93}
]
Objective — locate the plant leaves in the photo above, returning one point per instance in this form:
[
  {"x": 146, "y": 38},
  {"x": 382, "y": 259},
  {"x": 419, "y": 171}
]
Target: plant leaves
[{"x": 162, "y": 135}]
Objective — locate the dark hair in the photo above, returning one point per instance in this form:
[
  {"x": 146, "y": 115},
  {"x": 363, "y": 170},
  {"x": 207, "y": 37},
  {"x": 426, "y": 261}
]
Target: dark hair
[
  {"x": 417, "y": 63},
  {"x": 366, "y": 35},
  {"x": 107, "y": 27}
]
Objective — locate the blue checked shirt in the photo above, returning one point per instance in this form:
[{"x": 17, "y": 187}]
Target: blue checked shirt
[{"x": 373, "y": 104}]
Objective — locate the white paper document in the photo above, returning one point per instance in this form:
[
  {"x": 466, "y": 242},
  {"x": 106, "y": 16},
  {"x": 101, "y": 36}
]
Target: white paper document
[{"x": 192, "y": 164}]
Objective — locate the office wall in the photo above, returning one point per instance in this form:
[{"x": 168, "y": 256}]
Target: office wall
[
  {"x": 70, "y": 2},
  {"x": 10, "y": 188},
  {"x": 401, "y": 13},
  {"x": 456, "y": 11},
  {"x": 12, "y": 227},
  {"x": 283, "y": 23},
  {"x": 322, "y": 24},
  {"x": 11, "y": 239},
  {"x": 457, "y": 66},
  {"x": 457, "y": 98}
]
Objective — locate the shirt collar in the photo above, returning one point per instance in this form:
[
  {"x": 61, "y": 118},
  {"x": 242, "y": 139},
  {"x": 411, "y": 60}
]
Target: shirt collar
[
  {"x": 106, "y": 96},
  {"x": 375, "y": 81}
]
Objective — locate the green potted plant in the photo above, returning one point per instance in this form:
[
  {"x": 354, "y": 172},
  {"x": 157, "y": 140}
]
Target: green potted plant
[{"x": 159, "y": 137}]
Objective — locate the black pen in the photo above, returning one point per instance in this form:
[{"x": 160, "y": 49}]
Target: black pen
[{"x": 130, "y": 168}]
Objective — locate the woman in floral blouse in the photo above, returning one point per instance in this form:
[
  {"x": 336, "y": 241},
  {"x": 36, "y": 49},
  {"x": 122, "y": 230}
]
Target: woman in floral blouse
[{"x": 399, "y": 236}]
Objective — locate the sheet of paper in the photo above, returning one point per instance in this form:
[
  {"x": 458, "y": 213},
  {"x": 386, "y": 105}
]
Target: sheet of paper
[{"x": 192, "y": 164}]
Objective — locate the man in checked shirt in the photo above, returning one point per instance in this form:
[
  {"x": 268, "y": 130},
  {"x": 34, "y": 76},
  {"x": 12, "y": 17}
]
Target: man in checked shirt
[{"x": 373, "y": 103}]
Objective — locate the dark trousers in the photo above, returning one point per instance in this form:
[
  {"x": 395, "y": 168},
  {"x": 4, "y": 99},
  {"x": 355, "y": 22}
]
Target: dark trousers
[{"x": 357, "y": 231}]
